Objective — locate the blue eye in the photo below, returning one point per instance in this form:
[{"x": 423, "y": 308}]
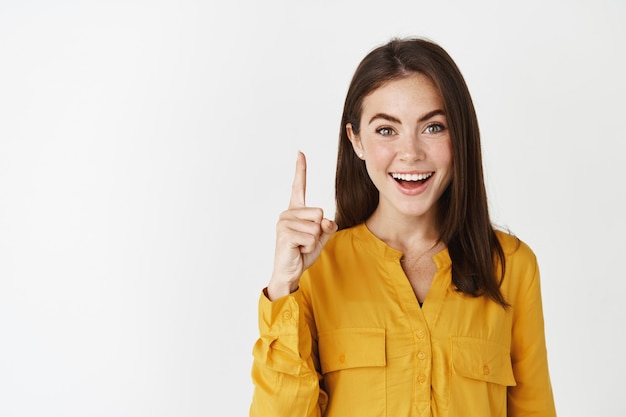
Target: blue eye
[
  {"x": 385, "y": 131},
  {"x": 434, "y": 128}
]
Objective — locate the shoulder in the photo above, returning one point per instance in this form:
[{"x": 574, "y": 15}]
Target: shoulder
[
  {"x": 521, "y": 274},
  {"x": 353, "y": 240},
  {"x": 514, "y": 247},
  {"x": 341, "y": 236},
  {"x": 335, "y": 265},
  {"x": 345, "y": 250},
  {"x": 340, "y": 245}
]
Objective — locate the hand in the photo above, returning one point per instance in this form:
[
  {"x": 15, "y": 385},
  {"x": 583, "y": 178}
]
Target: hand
[{"x": 301, "y": 233}]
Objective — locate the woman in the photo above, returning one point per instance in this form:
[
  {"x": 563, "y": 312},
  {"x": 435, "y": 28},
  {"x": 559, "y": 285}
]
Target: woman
[{"x": 416, "y": 306}]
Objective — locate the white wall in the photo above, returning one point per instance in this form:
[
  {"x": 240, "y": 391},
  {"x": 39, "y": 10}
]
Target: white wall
[{"x": 147, "y": 147}]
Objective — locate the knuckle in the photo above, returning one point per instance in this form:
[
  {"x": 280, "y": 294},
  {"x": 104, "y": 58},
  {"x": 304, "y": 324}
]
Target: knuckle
[
  {"x": 287, "y": 216},
  {"x": 318, "y": 213},
  {"x": 305, "y": 241}
]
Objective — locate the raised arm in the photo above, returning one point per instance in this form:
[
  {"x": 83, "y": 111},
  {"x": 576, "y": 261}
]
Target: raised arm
[
  {"x": 286, "y": 381},
  {"x": 301, "y": 233}
]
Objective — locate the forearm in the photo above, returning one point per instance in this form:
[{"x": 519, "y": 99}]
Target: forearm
[
  {"x": 532, "y": 396},
  {"x": 286, "y": 382}
]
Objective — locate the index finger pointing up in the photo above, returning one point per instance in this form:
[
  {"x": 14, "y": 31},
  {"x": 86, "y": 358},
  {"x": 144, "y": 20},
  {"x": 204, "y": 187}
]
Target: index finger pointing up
[{"x": 298, "y": 189}]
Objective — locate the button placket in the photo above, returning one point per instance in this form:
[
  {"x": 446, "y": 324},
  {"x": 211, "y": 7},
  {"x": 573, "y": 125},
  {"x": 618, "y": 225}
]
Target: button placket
[{"x": 423, "y": 364}]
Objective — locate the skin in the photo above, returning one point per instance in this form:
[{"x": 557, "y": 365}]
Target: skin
[
  {"x": 301, "y": 233},
  {"x": 403, "y": 130}
]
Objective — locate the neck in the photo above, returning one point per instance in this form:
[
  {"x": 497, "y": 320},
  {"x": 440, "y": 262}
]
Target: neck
[{"x": 404, "y": 233}]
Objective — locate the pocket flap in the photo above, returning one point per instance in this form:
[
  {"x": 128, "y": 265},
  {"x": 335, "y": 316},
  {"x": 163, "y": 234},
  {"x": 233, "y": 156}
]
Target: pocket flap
[
  {"x": 351, "y": 348},
  {"x": 482, "y": 360}
]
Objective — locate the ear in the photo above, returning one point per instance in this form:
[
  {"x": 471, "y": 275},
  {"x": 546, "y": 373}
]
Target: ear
[{"x": 355, "y": 140}]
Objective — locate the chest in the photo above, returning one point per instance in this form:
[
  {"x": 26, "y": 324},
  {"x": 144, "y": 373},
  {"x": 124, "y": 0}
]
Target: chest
[{"x": 420, "y": 273}]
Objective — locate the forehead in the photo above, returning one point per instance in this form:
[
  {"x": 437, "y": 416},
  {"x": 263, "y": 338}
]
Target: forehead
[{"x": 413, "y": 93}]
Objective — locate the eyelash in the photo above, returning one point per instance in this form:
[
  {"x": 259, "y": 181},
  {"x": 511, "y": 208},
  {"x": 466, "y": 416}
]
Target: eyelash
[
  {"x": 387, "y": 131},
  {"x": 440, "y": 128}
]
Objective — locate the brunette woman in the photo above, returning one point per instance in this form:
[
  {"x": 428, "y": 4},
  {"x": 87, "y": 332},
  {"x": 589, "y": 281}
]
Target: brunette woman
[{"x": 409, "y": 303}]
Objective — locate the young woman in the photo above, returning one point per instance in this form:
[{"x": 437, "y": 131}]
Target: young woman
[{"x": 416, "y": 306}]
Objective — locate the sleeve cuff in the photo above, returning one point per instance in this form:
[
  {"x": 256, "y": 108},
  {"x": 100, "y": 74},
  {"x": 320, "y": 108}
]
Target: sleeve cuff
[{"x": 279, "y": 317}]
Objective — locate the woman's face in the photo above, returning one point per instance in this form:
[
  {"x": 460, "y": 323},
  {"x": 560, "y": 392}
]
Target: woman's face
[{"x": 405, "y": 143}]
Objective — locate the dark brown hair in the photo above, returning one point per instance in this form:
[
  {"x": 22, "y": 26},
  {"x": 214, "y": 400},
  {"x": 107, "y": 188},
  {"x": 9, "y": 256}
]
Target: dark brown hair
[{"x": 462, "y": 215}]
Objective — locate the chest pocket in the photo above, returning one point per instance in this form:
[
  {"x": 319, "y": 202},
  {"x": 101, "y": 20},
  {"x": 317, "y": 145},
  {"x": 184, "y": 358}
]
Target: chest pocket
[
  {"x": 353, "y": 366},
  {"x": 352, "y": 348},
  {"x": 482, "y": 360},
  {"x": 481, "y": 375}
]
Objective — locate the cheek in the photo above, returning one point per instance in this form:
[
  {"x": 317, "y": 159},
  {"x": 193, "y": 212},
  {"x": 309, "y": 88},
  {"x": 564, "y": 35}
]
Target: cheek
[
  {"x": 377, "y": 160},
  {"x": 378, "y": 151},
  {"x": 448, "y": 161},
  {"x": 444, "y": 155}
]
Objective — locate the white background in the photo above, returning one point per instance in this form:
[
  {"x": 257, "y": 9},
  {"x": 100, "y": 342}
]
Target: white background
[{"x": 147, "y": 147}]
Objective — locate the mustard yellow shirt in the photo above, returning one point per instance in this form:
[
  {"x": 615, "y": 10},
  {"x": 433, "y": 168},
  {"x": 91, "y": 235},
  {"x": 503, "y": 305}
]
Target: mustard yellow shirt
[{"x": 354, "y": 341}]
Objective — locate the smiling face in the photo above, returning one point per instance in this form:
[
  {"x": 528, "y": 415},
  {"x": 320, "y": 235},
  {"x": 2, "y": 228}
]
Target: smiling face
[{"x": 404, "y": 140}]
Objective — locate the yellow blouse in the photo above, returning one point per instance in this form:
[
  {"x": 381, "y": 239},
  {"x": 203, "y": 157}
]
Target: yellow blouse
[{"x": 353, "y": 340}]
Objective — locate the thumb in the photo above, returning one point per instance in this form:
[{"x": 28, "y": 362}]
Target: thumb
[{"x": 329, "y": 227}]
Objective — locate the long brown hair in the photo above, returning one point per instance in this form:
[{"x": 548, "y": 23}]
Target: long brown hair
[{"x": 462, "y": 215}]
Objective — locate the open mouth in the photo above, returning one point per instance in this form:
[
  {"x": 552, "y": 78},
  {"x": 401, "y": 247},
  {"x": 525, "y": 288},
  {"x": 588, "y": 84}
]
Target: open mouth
[
  {"x": 411, "y": 178},
  {"x": 411, "y": 181}
]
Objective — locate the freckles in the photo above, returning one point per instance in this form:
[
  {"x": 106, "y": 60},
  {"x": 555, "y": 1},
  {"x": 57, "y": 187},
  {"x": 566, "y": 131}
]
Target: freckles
[
  {"x": 371, "y": 148},
  {"x": 380, "y": 153},
  {"x": 444, "y": 150}
]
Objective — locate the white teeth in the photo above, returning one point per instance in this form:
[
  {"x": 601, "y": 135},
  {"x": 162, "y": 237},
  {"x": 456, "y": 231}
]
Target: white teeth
[{"x": 411, "y": 177}]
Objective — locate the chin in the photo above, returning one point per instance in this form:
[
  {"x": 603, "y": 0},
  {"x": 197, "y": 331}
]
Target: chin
[{"x": 415, "y": 212}]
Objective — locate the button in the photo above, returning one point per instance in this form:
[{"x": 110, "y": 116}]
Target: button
[
  {"x": 421, "y": 356},
  {"x": 486, "y": 370},
  {"x": 420, "y": 334},
  {"x": 342, "y": 358},
  {"x": 421, "y": 378},
  {"x": 287, "y": 315}
]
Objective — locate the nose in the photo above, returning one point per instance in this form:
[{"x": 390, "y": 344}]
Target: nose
[{"x": 412, "y": 149}]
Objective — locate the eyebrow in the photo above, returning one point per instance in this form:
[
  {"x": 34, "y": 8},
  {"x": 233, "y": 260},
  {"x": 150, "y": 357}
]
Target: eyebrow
[{"x": 392, "y": 119}]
